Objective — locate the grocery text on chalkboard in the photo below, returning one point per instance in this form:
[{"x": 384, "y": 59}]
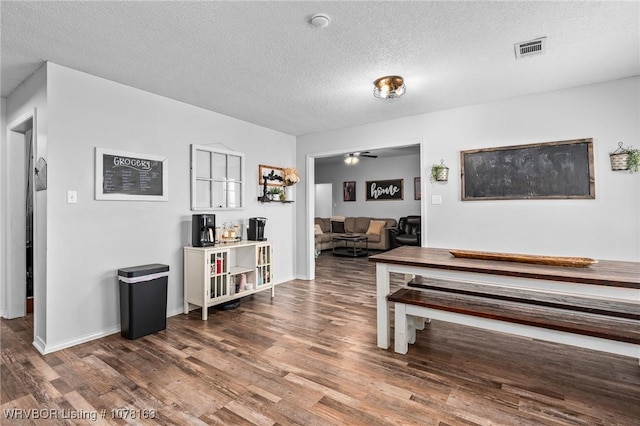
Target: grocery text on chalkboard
[{"x": 130, "y": 176}]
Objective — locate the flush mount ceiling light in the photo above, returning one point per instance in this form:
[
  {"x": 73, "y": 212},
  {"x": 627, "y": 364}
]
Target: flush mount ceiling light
[{"x": 389, "y": 87}]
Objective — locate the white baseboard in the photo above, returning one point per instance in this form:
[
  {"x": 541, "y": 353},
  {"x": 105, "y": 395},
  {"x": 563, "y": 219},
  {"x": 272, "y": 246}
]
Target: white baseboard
[
  {"x": 290, "y": 278},
  {"x": 47, "y": 349},
  {"x": 175, "y": 312},
  {"x": 39, "y": 345}
]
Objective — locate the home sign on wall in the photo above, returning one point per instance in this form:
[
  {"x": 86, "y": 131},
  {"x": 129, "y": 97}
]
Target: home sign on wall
[{"x": 379, "y": 190}]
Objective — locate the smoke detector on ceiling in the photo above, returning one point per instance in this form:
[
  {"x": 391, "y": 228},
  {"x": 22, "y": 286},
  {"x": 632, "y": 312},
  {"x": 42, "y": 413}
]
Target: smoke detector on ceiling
[
  {"x": 530, "y": 48},
  {"x": 319, "y": 20}
]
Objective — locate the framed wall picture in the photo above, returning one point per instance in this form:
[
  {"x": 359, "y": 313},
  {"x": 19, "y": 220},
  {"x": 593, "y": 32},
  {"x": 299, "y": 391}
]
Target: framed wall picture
[
  {"x": 349, "y": 191},
  {"x": 417, "y": 189},
  {"x": 273, "y": 175},
  {"x": 549, "y": 170},
  {"x": 384, "y": 190},
  {"x": 129, "y": 176}
]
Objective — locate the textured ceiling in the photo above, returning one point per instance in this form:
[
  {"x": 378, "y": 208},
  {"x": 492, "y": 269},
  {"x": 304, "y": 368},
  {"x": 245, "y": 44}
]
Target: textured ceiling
[{"x": 263, "y": 63}]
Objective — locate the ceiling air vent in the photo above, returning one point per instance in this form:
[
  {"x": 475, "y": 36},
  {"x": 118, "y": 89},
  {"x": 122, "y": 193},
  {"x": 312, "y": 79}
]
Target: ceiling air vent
[{"x": 531, "y": 47}]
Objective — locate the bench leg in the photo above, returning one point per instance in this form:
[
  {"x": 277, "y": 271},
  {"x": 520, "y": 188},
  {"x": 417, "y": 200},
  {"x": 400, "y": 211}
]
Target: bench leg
[
  {"x": 413, "y": 324},
  {"x": 419, "y": 322},
  {"x": 404, "y": 330}
]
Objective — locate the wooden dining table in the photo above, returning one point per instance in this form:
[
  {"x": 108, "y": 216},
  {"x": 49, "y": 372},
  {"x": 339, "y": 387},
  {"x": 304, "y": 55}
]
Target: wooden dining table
[{"x": 619, "y": 280}]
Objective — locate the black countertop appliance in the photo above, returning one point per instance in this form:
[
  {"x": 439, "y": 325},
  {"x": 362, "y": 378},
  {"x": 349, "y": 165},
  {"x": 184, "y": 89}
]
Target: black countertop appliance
[
  {"x": 256, "y": 229},
  {"x": 203, "y": 230}
]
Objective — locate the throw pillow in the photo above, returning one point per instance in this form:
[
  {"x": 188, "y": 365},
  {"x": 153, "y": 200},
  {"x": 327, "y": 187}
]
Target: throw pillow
[
  {"x": 337, "y": 227},
  {"x": 376, "y": 227},
  {"x": 317, "y": 230}
]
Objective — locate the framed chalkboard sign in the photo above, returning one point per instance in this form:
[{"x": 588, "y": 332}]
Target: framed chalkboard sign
[
  {"x": 558, "y": 170},
  {"x": 124, "y": 175}
]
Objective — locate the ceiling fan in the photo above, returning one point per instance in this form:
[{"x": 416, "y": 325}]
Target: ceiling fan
[
  {"x": 352, "y": 158},
  {"x": 363, "y": 154}
]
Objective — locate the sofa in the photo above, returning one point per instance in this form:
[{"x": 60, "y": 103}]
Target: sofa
[{"x": 378, "y": 233}]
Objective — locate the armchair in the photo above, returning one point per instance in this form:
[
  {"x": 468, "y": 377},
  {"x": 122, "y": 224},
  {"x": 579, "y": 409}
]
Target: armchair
[{"x": 407, "y": 233}]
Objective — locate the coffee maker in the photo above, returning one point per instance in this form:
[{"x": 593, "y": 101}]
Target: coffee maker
[
  {"x": 256, "y": 229},
  {"x": 203, "y": 230}
]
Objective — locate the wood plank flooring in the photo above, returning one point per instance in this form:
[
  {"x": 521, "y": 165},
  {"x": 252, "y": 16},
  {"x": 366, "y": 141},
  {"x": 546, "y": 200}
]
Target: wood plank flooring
[{"x": 309, "y": 357}]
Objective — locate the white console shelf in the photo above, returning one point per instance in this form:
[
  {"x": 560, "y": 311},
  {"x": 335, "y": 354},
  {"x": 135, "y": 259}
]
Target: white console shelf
[{"x": 212, "y": 275}]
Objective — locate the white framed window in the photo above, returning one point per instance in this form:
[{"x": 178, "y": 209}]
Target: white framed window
[{"x": 217, "y": 179}]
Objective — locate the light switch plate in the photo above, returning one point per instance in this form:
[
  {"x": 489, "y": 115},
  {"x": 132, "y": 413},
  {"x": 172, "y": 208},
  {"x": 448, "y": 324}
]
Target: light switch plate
[
  {"x": 72, "y": 197},
  {"x": 436, "y": 199}
]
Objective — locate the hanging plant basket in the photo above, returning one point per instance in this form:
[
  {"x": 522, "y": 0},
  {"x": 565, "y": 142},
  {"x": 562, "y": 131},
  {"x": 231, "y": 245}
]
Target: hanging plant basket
[
  {"x": 619, "y": 161},
  {"x": 625, "y": 159},
  {"x": 439, "y": 172},
  {"x": 619, "y": 158}
]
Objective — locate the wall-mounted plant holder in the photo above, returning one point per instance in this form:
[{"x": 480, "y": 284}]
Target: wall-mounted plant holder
[
  {"x": 439, "y": 172},
  {"x": 625, "y": 159}
]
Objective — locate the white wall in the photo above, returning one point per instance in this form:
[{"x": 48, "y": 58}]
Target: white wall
[
  {"x": 605, "y": 228},
  {"x": 89, "y": 241},
  {"x": 405, "y": 167}
]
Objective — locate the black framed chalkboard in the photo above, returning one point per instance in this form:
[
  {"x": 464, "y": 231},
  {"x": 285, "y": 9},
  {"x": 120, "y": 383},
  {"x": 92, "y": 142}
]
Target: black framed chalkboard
[
  {"x": 562, "y": 170},
  {"x": 129, "y": 176}
]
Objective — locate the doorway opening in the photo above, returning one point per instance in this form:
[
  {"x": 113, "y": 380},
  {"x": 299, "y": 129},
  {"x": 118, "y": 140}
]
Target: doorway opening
[
  {"x": 28, "y": 138},
  {"x": 20, "y": 243},
  {"x": 313, "y": 161}
]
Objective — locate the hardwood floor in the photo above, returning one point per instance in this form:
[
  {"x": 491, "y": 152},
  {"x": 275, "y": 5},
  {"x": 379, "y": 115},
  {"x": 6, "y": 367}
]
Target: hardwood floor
[{"x": 309, "y": 357}]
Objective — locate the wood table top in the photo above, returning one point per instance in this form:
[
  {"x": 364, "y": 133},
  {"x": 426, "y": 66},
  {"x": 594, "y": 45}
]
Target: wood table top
[{"x": 605, "y": 272}]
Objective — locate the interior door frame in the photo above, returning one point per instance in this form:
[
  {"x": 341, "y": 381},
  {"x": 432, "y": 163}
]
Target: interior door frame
[{"x": 15, "y": 276}]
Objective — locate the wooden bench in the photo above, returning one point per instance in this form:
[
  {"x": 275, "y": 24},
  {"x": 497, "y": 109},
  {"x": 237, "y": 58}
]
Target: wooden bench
[{"x": 456, "y": 301}]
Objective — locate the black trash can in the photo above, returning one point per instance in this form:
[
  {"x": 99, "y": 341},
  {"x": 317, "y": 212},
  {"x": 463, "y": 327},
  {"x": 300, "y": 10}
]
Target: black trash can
[{"x": 143, "y": 299}]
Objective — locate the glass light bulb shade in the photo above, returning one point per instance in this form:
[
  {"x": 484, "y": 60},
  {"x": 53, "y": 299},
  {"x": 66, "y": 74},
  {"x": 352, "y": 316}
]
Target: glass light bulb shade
[
  {"x": 389, "y": 87},
  {"x": 351, "y": 160}
]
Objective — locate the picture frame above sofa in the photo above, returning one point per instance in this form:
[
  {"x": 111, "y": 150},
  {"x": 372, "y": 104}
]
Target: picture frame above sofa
[{"x": 349, "y": 191}]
